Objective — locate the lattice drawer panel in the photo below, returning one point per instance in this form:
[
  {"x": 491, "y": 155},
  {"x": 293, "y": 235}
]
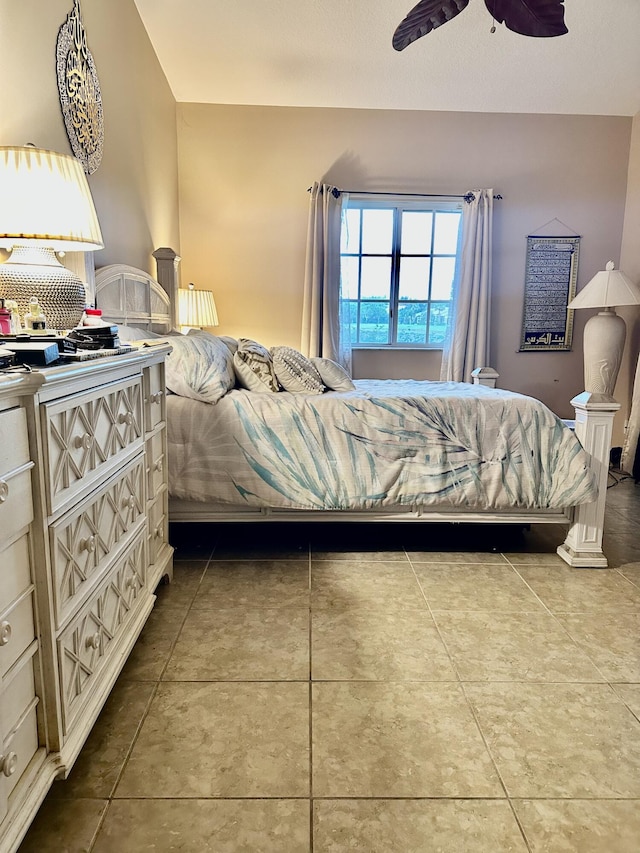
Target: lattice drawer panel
[
  {"x": 87, "y": 433},
  {"x": 156, "y": 464},
  {"x": 154, "y": 396},
  {"x": 158, "y": 526},
  {"x": 86, "y": 643},
  {"x": 86, "y": 539}
]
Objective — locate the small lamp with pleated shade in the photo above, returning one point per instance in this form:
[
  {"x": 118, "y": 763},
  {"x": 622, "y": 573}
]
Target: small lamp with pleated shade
[
  {"x": 196, "y": 308},
  {"x": 605, "y": 332}
]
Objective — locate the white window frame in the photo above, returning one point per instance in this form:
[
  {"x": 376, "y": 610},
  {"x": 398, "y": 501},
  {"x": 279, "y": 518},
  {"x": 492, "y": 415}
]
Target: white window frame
[{"x": 400, "y": 204}]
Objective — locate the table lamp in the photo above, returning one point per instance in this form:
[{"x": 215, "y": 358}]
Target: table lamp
[
  {"x": 605, "y": 332},
  {"x": 196, "y": 308},
  {"x": 45, "y": 207}
]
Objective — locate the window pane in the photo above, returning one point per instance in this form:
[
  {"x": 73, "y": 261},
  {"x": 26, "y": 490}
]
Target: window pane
[
  {"x": 374, "y": 323},
  {"x": 416, "y": 232},
  {"x": 438, "y": 319},
  {"x": 352, "y": 320},
  {"x": 412, "y": 323},
  {"x": 376, "y": 278},
  {"x": 377, "y": 232},
  {"x": 414, "y": 278},
  {"x": 445, "y": 240},
  {"x": 350, "y": 237},
  {"x": 349, "y": 278},
  {"x": 442, "y": 278}
]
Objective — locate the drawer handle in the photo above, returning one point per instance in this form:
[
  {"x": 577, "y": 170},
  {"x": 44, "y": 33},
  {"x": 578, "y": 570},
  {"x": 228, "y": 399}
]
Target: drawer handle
[
  {"x": 158, "y": 466},
  {"x": 9, "y": 763},
  {"x": 5, "y": 633},
  {"x": 158, "y": 532},
  {"x": 131, "y": 583},
  {"x": 88, "y": 544},
  {"x": 4, "y": 491},
  {"x": 83, "y": 441},
  {"x": 126, "y": 418},
  {"x": 130, "y": 502},
  {"x": 93, "y": 642},
  {"x": 157, "y": 397}
]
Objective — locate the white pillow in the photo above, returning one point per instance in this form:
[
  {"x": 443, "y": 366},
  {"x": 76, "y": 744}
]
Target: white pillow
[
  {"x": 132, "y": 333},
  {"x": 231, "y": 343},
  {"x": 253, "y": 367},
  {"x": 199, "y": 366},
  {"x": 333, "y": 374},
  {"x": 295, "y": 372}
]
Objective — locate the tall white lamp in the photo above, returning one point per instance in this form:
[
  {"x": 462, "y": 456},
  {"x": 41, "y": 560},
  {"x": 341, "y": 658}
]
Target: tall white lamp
[
  {"x": 605, "y": 332},
  {"x": 196, "y": 308}
]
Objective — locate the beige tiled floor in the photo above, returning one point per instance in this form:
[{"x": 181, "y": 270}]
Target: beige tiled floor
[{"x": 376, "y": 690}]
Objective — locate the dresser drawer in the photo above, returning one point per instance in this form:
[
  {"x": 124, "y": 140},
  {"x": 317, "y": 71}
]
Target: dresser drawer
[
  {"x": 14, "y": 443},
  {"x": 85, "y": 645},
  {"x": 15, "y": 571},
  {"x": 87, "y": 434},
  {"x": 17, "y": 631},
  {"x": 16, "y": 503},
  {"x": 86, "y": 539},
  {"x": 18, "y": 749},
  {"x": 155, "y": 395},
  {"x": 17, "y": 697},
  {"x": 156, "y": 463},
  {"x": 158, "y": 526}
]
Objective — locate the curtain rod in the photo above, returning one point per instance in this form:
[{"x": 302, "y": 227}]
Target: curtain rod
[{"x": 468, "y": 197}]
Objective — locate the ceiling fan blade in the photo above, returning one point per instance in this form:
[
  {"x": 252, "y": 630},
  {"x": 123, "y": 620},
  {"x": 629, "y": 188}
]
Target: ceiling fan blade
[
  {"x": 541, "y": 18},
  {"x": 423, "y": 18}
]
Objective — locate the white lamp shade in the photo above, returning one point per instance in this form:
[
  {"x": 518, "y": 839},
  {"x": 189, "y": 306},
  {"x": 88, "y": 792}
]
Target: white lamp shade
[
  {"x": 607, "y": 289},
  {"x": 45, "y": 201},
  {"x": 196, "y": 308}
]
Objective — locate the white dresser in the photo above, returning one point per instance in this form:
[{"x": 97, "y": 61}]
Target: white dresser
[{"x": 83, "y": 545}]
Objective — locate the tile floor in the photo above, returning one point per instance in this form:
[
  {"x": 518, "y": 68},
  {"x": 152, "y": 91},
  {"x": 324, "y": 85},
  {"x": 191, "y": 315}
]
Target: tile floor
[{"x": 380, "y": 690}]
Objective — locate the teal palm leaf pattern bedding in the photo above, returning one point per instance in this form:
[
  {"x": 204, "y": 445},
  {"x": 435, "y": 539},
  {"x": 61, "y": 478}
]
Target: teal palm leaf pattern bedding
[{"x": 387, "y": 443}]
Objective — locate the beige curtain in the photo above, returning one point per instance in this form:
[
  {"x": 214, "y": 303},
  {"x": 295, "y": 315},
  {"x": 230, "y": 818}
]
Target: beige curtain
[
  {"x": 321, "y": 307},
  {"x": 629, "y": 451},
  {"x": 467, "y": 343}
]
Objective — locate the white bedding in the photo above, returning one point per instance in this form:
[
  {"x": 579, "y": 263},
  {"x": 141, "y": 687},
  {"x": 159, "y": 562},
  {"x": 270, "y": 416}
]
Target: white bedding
[{"x": 387, "y": 443}]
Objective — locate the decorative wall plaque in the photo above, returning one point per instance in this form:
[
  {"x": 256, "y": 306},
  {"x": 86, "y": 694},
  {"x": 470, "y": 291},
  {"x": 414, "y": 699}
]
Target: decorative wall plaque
[
  {"x": 79, "y": 90},
  {"x": 550, "y": 284}
]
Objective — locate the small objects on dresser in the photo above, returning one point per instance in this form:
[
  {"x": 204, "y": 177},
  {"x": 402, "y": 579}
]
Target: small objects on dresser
[
  {"x": 34, "y": 319},
  {"x": 16, "y": 325},
  {"x": 5, "y": 319},
  {"x": 92, "y": 317}
]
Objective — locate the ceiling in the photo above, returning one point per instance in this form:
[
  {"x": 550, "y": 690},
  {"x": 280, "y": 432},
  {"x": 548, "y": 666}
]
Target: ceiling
[{"x": 338, "y": 53}]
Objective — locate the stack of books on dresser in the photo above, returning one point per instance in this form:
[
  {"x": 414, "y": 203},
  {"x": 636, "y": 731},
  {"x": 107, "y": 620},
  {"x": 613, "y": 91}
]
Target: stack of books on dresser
[{"x": 81, "y": 344}]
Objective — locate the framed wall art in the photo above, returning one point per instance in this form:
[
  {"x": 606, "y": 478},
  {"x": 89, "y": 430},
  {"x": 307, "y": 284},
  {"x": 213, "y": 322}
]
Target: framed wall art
[
  {"x": 79, "y": 90},
  {"x": 550, "y": 284}
]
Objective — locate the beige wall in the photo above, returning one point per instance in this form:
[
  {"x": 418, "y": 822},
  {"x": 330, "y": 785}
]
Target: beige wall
[
  {"x": 244, "y": 172},
  {"x": 135, "y": 189}
]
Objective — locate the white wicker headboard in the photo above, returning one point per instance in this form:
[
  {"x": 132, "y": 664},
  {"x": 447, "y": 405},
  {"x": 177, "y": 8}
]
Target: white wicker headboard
[{"x": 131, "y": 297}]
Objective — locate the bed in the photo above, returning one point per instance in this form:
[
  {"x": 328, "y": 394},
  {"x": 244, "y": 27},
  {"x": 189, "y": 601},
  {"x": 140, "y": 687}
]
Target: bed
[{"x": 369, "y": 451}]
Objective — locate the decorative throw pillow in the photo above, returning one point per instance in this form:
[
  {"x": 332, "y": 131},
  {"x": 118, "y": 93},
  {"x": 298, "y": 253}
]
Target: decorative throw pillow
[
  {"x": 253, "y": 366},
  {"x": 232, "y": 343},
  {"x": 199, "y": 366},
  {"x": 295, "y": 371},
  {"x": 333, "y": 374}
]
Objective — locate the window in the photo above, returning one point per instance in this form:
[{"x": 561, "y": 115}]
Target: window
[{"x": 398, "y": 264}]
